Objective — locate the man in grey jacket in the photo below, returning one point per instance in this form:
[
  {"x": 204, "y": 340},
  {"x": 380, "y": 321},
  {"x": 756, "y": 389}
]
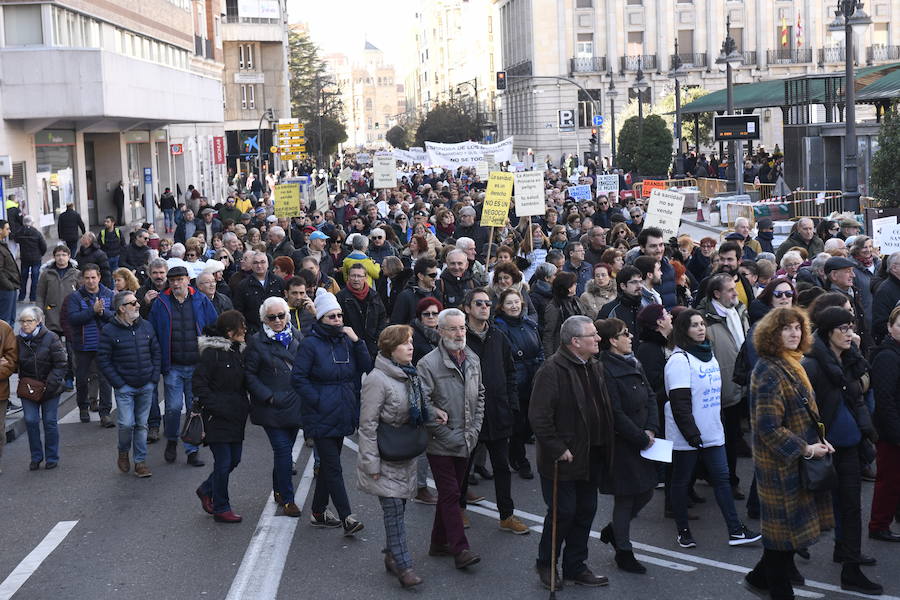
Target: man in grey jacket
[{"x": 451, "y": 380}]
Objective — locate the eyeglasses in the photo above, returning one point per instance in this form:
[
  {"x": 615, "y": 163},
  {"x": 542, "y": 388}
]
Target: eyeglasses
[
  {"x": 431, "y": 275},
  {"x": 132, "y": 303},
  {"x": 783, "y": 294},
  {"x": 845, "y": 329},
  {"x": 482, "y": 303},
  {"x": 377, "y": 237},
  {"x": 335, "y": 317},
  {"x": 626, "y": 333},
  {"x": 27, "y": 320},
  {"x": 430, "y": 314},
  {"x": 277, "y": 317},
  {"x": 635, "y": 282}
]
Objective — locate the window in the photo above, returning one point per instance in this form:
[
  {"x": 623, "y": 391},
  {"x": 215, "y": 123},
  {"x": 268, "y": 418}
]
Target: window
[
  {"x": 738, "y": 34},
  {"x": 251, "y": 96},
  {"x": 244, "y": 97},
  {"x": 22, "y": 25},
  {"x": 635, "y": 2},
  {"x": 635, "y": 43},
  {"x": 584, "y": 47},
  {"x": 586, "y": 107},
  {"x": 685, "y": 41},
  {"x": 248, "y": 56},
  {"x": 880, "y": 34},
  {"x": 584, "y": 3},
  {"x": 241, "y": 56}
]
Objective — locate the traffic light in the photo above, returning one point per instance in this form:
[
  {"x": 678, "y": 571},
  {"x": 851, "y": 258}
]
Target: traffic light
[
  {"x": 501, "y": 80},
  {"x": 593, "y": 135}
]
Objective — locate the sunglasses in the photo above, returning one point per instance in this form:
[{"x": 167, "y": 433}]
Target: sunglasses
[
  {"x": 482, "y": 303},
  {"x": 784, "y": 294},
  {"x": 377, "y": 237},
  {"x": 625, "y": 333},
  {"x": 335, "y": 317},
  {"x": 277, "y": 317},
  {"x": 431, "y": 275},
  {"x": 430, "y": 314},
  {"x": 132, "y": 303}
]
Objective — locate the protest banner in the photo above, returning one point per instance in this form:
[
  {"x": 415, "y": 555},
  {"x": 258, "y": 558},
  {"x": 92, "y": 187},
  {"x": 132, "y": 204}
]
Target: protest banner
[
  {"x": 890, "y": 239},
  {"x": 879, "y": 226},
  {"x": 579, "y": 192},
  {"x": 482, "y": 170},
  {"x": 648, "y": 185},
  {"x": 496, "y": 199},
  {"x": 664, "y": 212},
  {"x": 529, "y": 193},
  {"x": 322, "y": 198},
  {"x": 385, "y": 170},
  {"x": 287, "y": 200},
  {"x": 467, "y": 154},
  {"x": 608, "y": 185}
]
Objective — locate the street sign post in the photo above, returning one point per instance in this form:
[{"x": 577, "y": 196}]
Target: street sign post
[
  {"x": 597, "y": 121},
  {"x": 566, "y": 120}
]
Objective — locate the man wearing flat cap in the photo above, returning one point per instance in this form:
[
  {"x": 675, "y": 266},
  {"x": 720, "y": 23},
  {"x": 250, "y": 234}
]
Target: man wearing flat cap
[{"x": 839, "y": 278}]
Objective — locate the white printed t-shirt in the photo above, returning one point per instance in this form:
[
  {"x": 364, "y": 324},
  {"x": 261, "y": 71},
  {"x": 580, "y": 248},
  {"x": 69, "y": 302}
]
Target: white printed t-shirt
[{"x": 684, "y": 370}]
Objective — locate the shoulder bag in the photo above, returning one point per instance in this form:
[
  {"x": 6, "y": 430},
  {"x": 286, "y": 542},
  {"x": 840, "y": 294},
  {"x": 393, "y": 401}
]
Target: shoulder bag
[
  {"x": 193, "y": 432},
  {"x": 401, "y": 442},
  {"x": 31, "y": 389},
  {"x": 817, "y": 474}
]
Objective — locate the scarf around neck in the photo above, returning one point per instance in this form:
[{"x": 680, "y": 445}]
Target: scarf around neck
[
  {"x": 702, "y": 351},
  {"x": 732, "y": 321},
  {"x": 283, "y": 336},
  {"x": 418, "y": 414},
  {"x": 360, "y": 294}
]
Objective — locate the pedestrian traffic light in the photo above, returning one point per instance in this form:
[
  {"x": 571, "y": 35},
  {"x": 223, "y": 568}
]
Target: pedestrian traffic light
[
  {"x": 501, "y": 80},
  {"x": 593, "y": 135}
]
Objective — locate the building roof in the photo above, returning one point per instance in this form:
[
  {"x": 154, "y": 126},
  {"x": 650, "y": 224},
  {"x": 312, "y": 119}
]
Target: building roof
[
  {"x": 370, "y": 46},
  {"x": 872, "y": 83}
]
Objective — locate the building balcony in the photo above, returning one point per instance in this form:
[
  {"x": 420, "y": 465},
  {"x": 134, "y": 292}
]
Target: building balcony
[
  {"x": 519, "y": 69},
  {"x": 100, "y": 86},
  {"x": 690, "y": 61},
  {"x": 646, "y": 62},
  {"x": 587, "y": 64},
  {"x": 242, "y": 29},
  {"x": 882, "y": 53},
  {"x": 750, "y": 58},
  {"x": 832, "y": 55},
  {"x": 789, "y": 56}
]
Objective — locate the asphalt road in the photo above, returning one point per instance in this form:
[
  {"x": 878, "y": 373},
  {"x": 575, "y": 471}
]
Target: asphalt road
[{"x": 85, "y": 530}]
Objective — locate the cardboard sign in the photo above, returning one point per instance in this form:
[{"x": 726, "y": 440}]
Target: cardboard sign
[
  {"x": 607, "y": 185},
  {"x": 322, "y": 198},
  {"x": 648, "y": 185},
  {"x": 664, "y": 211},
  {"x": 287, "y": 200},
  {"x": 878, "y": 226},
  {"x": 482, "y": 170},
  {"x": 345, "y": 174},
  {"x": 363, "y": 158},
  {"x": 530, "y": 193},
  {"x": 385, "y": 170},
  {"x": 579, "y": 192},
  {"x": 496, "y": 199},
  {"x": 890, "y": 239}
]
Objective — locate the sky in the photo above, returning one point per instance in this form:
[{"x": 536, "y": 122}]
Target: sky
[{"x": 345, "y": 25}]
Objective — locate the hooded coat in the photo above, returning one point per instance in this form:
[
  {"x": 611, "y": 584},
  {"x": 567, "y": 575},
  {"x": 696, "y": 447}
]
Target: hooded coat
[{"x": 222, "y": 400}]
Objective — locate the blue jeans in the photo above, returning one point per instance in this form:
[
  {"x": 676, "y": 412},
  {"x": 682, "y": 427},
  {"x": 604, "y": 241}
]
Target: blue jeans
[
  {"x": 35, "y": 414},
  {"x": 178, "y": 394},
  {"x": 330, "y": 482},
  {"x": 226, "y": 457},
  {"x": 282, "y": 441},
  {"x": 34, "y": 271},
  {"x": 132, "y": 408},
  {"x": 8, "y": 306},
  {"x": 169, "y": 218},
  {"x": 716, "y": 462}
]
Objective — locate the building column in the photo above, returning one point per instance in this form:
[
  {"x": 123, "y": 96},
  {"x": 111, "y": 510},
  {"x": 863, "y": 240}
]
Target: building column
[{"x": 81, "y": 195}]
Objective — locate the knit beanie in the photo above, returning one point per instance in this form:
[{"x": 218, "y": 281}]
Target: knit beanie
[{"x": 325, "y": 302}]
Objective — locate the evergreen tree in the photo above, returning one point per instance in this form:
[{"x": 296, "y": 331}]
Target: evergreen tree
[
  {"x": 647, "y": 153},
  {"x": 885, "y": 176},
  {"x": 447, "y": 123}
]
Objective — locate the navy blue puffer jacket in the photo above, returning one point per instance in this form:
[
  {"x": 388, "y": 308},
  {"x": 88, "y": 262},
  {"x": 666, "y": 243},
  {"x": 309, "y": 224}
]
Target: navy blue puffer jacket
[
  {"x": 267, "y": 367},
  {"x": 527, "y": 351},
  {"x": 129, "y": 354},
  {"x": 327, "y": 377}
]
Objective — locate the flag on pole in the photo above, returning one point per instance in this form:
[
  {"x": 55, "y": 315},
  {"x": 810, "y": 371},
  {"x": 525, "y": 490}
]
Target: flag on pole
[
  {"x": 799, "y": 35},
  {"x": 784, "y": 33}
]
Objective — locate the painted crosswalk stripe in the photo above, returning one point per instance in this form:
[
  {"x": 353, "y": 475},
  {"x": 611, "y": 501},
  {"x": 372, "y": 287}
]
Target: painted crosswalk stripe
[{"x": 30, "y": 563}]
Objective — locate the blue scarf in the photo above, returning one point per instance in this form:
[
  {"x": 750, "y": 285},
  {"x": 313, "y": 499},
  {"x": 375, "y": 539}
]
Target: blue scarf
[
  {"x": 418, "y": 414},
  {"x": 284, "y": 337}
]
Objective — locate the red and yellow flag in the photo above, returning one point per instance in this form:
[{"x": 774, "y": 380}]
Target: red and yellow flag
[
  {"x": 799, "y": 33},
  {"x": 784, "y": 33}
]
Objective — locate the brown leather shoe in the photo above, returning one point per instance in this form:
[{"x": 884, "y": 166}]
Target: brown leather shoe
[
  {"x": 465, "y": 520},
  {"x": 289, "y": 509},
  {"x": 425, "y": 496},
  {"x": 544, "y": 574},
  {"x": 466, "y": 558},
  {"x": 439, "y": 550},
  {"x": 141, "y": 470},
  {"x": 123, "y": 463},
  {"x": 587, "y": 578},
  {"x": 408, "y": 578}
]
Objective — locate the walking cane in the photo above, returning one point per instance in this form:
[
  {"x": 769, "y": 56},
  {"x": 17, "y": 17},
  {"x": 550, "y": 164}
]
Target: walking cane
[{"x": 553, "y": 532}]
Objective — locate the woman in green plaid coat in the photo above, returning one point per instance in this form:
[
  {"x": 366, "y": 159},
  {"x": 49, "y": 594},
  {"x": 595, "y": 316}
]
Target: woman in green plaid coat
[{"x": 783, "y": 435}]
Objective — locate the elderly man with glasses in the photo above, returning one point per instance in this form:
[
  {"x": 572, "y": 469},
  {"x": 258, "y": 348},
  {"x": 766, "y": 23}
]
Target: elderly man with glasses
[
  {"x": 258, "y": 285},
  {"x": 379, "y": 249}
]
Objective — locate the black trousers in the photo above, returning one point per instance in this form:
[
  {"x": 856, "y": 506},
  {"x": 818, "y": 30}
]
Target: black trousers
[
  {"x": 499, "y": 453},
  {"x": 847, "y": 507},
  {"x": 773, "y": 572},
  {"x": 731, "y": 421},
  {"x": 83, "y": 362}
]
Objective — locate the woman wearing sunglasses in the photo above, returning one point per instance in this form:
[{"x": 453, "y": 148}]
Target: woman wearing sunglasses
[
  {"x": 274, "y": 403},
  {"x": 778, "y": 293},
  {"x": 327, "y": 378}
]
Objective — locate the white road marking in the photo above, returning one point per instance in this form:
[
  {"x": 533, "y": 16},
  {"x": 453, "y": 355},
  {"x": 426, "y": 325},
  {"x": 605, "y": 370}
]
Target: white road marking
[
  {"x": 490, "y": 509},
  {"x": 30, "y": 563},
  {"x": 259, "y": 575}
]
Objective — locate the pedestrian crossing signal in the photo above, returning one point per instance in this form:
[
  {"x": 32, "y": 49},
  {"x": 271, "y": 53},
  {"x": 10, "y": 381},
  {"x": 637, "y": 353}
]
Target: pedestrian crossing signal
[{"x": 501, "y": 80}]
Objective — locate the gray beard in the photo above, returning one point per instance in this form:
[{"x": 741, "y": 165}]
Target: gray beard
[{"x": 454, "y": 345}]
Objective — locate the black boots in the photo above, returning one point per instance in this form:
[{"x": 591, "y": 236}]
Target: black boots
[{"x": 854, "y": 580}]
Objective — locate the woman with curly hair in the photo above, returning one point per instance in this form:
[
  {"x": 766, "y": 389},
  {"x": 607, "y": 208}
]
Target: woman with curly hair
[
  {"x": 785, "y": 424},
  {"x": 620, "y": 231},
  {"x": 124, "y": 280},
  {"x": 615, "y": 258}
]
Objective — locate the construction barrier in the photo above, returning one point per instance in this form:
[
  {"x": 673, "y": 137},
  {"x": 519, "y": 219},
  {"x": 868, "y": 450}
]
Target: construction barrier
[{"x": 799, "y": 204}]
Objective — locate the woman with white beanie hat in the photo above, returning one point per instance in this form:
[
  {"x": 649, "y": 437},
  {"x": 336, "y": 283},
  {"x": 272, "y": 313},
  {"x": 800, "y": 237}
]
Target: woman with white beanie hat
[{"x": 327, "y": 378}]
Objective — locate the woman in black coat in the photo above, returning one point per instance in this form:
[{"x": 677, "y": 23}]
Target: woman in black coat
[
  {"x": 835, "y": 369},
  {"x": 220, "y": 395},
  {"x": 41, "y": 357},
  {"x": 528, "y": 355},
  {"x": 274, "y": 404},
  {"x": 636, "y": 425}
]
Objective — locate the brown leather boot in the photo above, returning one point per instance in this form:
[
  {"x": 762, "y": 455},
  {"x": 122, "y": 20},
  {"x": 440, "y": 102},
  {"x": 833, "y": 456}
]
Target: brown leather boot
[
  {"x": 390, "y": 565},
  {"x": 408, "y": 578},
  {"x": 123, "y": 463},
  {"x": 141, "y": 470}
]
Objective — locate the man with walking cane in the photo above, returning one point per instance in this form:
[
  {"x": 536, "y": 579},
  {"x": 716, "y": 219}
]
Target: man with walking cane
[{"x": 572, "y": 420}]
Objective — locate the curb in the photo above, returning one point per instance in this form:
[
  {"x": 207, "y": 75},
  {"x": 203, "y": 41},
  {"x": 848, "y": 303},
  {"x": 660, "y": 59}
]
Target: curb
[{"x": 15, "y": 425}]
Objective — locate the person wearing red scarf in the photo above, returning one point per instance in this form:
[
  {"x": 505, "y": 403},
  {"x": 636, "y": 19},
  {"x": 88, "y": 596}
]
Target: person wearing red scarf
[{"x": 363, "y": 309}]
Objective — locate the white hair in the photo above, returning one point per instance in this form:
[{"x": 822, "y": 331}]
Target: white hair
[
  {"x": 835, "y": 244},
  {"x": 177, "y": 250},
  {"x": 464, "y": 243},
  {"x": 27, "y": 221},
  {"x": 377, "y": 231},
  {"x": 277, "y": 231},
  {"x": 790, "y": 255},
  {"x": 447, "y": 313},
  {"x": 33, "y": 312},
  {"x": 272, "y": 301},
  {"x": 742, "y": 221}
]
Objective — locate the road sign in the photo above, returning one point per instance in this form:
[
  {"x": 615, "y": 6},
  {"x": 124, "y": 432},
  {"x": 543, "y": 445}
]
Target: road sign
[
  {"x": 598, "y": 121},
  {"x": 566, "y": 120},
  {"x": 177, "y": 149}
]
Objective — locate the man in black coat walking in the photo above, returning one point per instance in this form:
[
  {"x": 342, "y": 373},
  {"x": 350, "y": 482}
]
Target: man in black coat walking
[
  {"x": 501, "y": 402},
  {"x": 70, "y": 227},
  {"x": 32, "y": 247},
  {"x": 253, "y": 289}
]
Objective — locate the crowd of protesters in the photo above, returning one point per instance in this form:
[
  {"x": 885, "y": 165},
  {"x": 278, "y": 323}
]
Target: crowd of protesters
[{"x": 584, "y": 332}]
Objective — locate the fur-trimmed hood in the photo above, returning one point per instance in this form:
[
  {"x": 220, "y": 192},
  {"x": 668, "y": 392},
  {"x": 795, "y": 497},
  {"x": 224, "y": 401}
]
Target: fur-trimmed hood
[{"x": 217, "y": 342}]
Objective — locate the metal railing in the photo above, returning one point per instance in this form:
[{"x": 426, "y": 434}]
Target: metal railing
[
  {"x": 787, "y": 56},
  {"x": 709, "y": 187},
  {"x": 834, "y": 54},
  {"x": 587, "y": 64},
  {"x": 749, "y": 58},
  {"x": 881, "y": 53},
  {"x": 690, "y": 61},
  {"x": 646, "y": 62},
  {"x": 519, "y": 69},
  {"x": 251, "y": 20}
]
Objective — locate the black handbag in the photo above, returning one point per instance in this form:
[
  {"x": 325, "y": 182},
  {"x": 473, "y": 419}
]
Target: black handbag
[
  {"x": 192, "y": 432},
  {"x": 403, "y": 442},
  {"x": 817, "y": 474}
]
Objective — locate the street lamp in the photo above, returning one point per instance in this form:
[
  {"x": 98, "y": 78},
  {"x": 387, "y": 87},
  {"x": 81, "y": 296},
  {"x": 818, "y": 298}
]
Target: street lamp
[
  {"x": 640, "y": 86},
  {"x": 674, "y": 73},
  {"x": 730, "y": 59},
  {"x": 611, "y": 93},
  {"x": 850, "y": 18}
]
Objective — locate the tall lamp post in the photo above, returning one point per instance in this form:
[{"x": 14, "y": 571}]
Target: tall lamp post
[
  {"x": 674, "y": 73},
  {"x": 611, "y": 93},
  {"x": 850, "y": 18},
  {"x": 729, "y": 59},
  {"x": 641, "y": 86}
]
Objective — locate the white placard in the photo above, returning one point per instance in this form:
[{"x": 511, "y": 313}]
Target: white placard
[
  {"x": 529, "y": 193},
  {"x": 363, "y": 158},
  {"x": 467, "y": 154},
  {"x": 482, "y": 170},
  {"x": 322, "y": 198},
  {"x": 607, "y": 184},
  {"x": 890, "y": 239},
  {"x": 345, "y": 174},
  {"x": 660, "y": 451},
  {"x": 664, "y": 211},
  {"x": 385, "y": 170},
  {"x": 878, "y": 226},
  {"x": 579, "y": 192}
]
